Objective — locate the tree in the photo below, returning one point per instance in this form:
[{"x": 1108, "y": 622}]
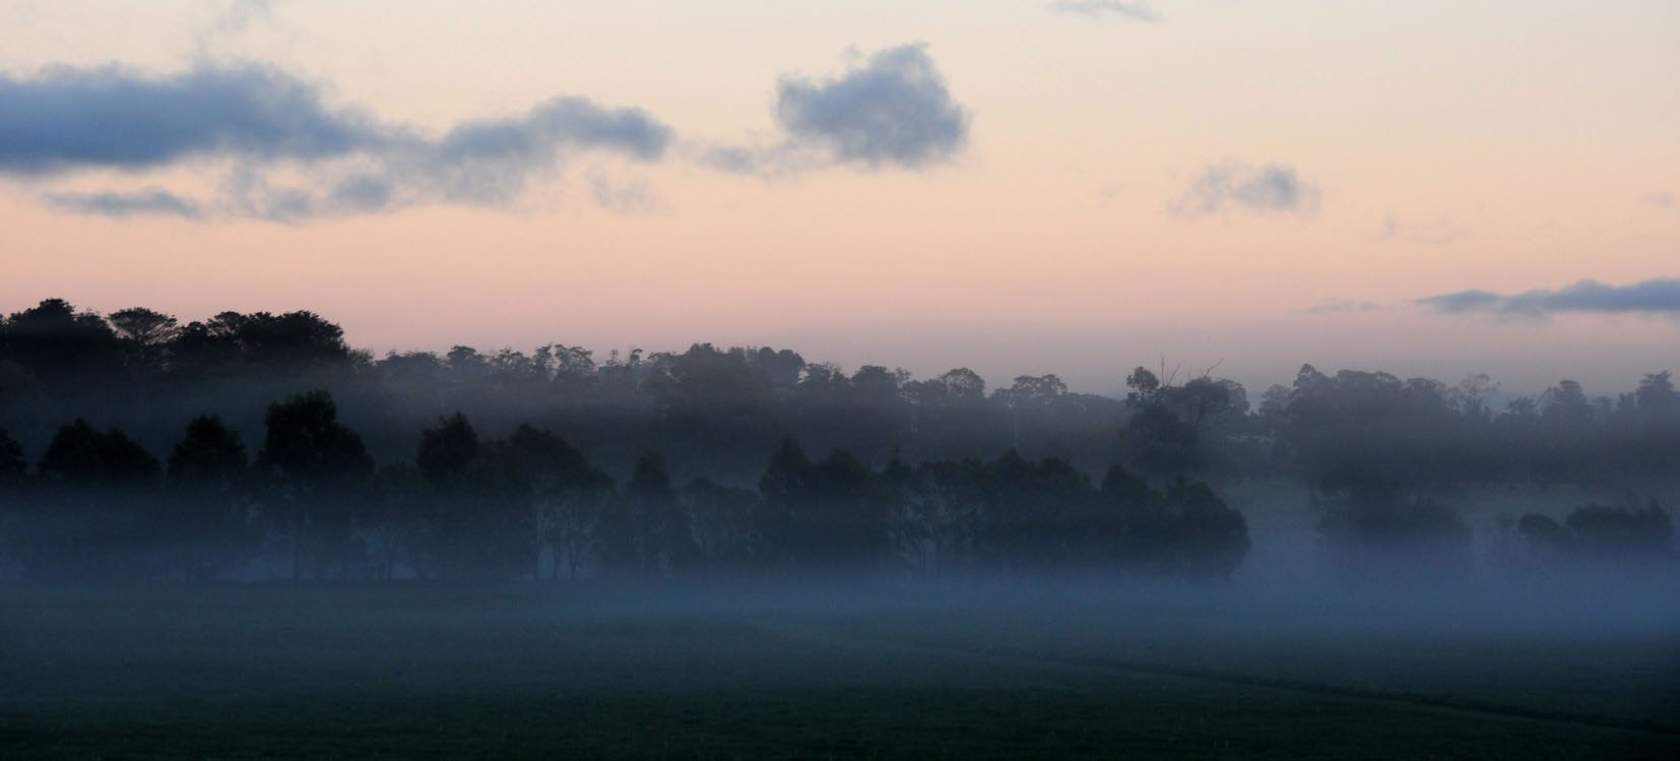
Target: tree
[
  {"x": 305, "y": 446},
  {"x": 821, "y": 515},
  {"x": 446, "y": 453},
  {"x": 500, "y": 504},
  {"x": 1163, "y": 444},
  {"x": 1171, "y": 427},
  {"x": 935, "y": 524},
  {"x": 963, "y": 383},
  {"x": 843, "y": 520},
  {"x": 12, "y": 465},
  {"x": 58, "y": 343},
  {"x": 238, "y": 344},
  {"x": 1123, "y": 525},
  {"x": 1378, "y": 530},
  {"x": 1622, "y": 533},
  {"x": 1027, "y": 506},
  {"x": 144, "y": 327},
  {"x": 563, "y": 493},
  {"x": 81, "y": 457},
  {"x": 784, "y": 486},
  {"x": 13, "y": 468},
  {"x": 647, "y": 534},
  {"x": 208, "y": 456},
  {"x": 720, "y": 519},
  {"x": 1209, "y": 539},
  {"x": 207, "y": 474},
  {"x": 98, "y": 484},
  {"x": 1656, "y": 394},
  {"x": 314, "y": 460}
]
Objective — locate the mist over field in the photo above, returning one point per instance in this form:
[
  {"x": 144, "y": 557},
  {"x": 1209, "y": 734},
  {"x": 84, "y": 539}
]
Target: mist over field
[
  {"x": 911, "y": 379},
  {"x": 741, "y": 553}
]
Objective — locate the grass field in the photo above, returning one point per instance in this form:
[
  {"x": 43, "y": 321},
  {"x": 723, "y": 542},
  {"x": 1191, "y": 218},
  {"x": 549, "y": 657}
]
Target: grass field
[{"x": 585, "y": 671}]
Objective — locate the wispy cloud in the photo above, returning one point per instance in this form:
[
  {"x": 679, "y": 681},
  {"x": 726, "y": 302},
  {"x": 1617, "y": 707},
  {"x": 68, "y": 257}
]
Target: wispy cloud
[
  {"x": 623, "y": 196},
  {"x": 241, "y": 14},
  {"x": 1231, "y": 185},
  {"x": 1135, "y": 11},
  {"x": 1342, "y": 306},
  {"x": 1655, "y": 296},
  {"x": 148, "y": 202}
]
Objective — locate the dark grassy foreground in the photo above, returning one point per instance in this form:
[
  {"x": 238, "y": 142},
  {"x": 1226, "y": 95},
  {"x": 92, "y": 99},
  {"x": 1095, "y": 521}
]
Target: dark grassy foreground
[{"x": 588, "y": 672}]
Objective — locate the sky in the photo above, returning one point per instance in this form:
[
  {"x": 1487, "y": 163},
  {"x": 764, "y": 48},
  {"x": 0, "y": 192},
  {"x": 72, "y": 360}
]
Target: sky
[{"x": 1017, "y": 186}]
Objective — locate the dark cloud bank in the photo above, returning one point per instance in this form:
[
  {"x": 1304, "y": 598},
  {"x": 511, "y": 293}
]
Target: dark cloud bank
[
  {"x": 1654, "y": 296},
  {"x": 893, "y": 111},
  {"x": 114, "y": 118}
]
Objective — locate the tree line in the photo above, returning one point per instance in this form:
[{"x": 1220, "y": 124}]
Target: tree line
[
  {"x": 99, "y": 505},
  {"x": 1381, "y": 457}
]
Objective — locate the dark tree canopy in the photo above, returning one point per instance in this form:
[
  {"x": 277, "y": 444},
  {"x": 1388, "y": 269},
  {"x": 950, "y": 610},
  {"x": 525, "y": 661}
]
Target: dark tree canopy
[
  {"x": 502, "y": 462},
  {"x": 209, "y": 455},
  {"x": 13, "y": 466},
  {"x": 85, "y": 458},
  {"x": 305, "y": 444},
  {"x": 447, "y": 452}
]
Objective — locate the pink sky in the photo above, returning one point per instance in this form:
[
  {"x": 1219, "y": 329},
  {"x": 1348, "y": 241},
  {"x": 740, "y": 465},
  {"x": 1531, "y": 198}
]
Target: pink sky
[{"x": 1107, "y": 200}]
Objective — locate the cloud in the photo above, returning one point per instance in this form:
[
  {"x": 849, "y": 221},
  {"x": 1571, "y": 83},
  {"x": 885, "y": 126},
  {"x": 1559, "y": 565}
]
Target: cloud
[
  {"x": 1099, "y": 8},
  {"x": 893, "y": 110},
  {"x": 149, "y": 201},
  {"x": 625, "y": 197},
  {"x": 287, "y": 154},
  {"x": 1463, "y": 301},
  {"x": 1654, "y": 296},
  {"x": 70, "y": 120},
  {"x": 488, "y": 161},
  {"x": 1227, "y": 185},
  {"x": 732, "y": 159},
  {"x": 67, "y": 119},
  {"x": 1342, "y": 306},
  {"x": 241, "y": 14}
]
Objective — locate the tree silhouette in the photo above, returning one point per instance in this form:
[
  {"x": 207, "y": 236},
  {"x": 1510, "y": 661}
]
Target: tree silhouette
[
  {"x": 13, "y": 467},
  {"x": 562, "y": 492},
  {"x": 447, "y": 453},
  {"x": 784, "y": 486},
  {"x": 208, "y": 498},
  {"x": 81, "y": 457},
  {"x": 646, "y": 533},
  {"x": 1381, "y": 457},
  {"x": 313, "y": 461},
  {"x": 721, "y": 522},
  {"x": 58, "y": 343},
  {"x": 146, "y": 335},
  {"x": 97, "y": 486},
  {"x": 1622, "y": 532},
  {"x": 1208, "y": 538},
  {"x": 305, "y": 445},
  {"x": 209, "y": 456},
  {"x": 936, "y": 521}
]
